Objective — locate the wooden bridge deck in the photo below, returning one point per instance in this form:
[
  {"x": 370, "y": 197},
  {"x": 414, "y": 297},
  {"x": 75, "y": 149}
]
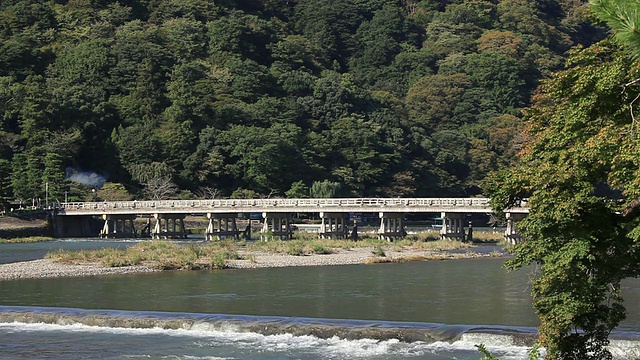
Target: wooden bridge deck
[{"x": 222, "y": 206}]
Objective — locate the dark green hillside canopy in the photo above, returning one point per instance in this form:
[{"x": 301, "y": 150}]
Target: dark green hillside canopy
[{"x": 386, "y": 98}]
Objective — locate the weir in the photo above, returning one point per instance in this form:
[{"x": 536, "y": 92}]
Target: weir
[{"x": 119, "y": 216}]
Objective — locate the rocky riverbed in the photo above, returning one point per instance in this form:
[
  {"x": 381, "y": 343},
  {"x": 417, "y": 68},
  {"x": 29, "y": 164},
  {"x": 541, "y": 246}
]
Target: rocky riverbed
[{"x": 46, "y": 268}]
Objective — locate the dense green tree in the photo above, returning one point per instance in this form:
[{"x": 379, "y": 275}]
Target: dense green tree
[
  {"x": 359, "y": 158},
  {"x": 329, "y": 25},
  {"x": 206, "y": 164},
  {"x": 137, "y": 146},
  {"x": 264, "y": 159},
  {"x": 444, "y": 38},
  {"x": 581, "y": 143},
  {"x": 325, "y": 189},
  {"x": 53, "y": 177},
  {"x": 197, "y": 91},
  {"x": 25, "y": 29},
  {"x": 239, "y": 35},
  {"x": 579, "y": 170},
  {"x": 141, "y": 70},
  {"x": 163, "y": 10},
  {"x": 499, "y": 75},
  {"x": 26, "y": 177},
  {"x": 114, "y": 192},
  {"x": 184, "y": 38},
  {"x": 6, "y": 190},
  {"x": 241, "y": 193},
  {"x": 524, "y": 17},
  {"x": 19, "y": 184},
  {"x": 378, "y": 43},
  {"x": 410, "y": 65},
  {"x": 334, "y": 96},
  {"x": 298, "y": 190},
  {"x": 431, "y": 101}
]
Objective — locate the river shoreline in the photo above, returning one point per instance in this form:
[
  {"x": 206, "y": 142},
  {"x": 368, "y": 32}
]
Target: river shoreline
[{"x": 47, "y": 268}]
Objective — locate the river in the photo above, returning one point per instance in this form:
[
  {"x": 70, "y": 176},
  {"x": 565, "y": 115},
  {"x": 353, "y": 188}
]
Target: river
[{"x": 421, "y": 310}]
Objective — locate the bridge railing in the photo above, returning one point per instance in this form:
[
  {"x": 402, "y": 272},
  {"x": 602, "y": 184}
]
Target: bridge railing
[{"x": 275, "y": 203}]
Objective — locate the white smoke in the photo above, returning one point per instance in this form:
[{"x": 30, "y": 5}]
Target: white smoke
[{"x": 88, "y": 178}]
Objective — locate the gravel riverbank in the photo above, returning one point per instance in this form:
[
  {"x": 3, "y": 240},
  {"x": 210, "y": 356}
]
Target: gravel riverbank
[{"x": 45, "y": 268}]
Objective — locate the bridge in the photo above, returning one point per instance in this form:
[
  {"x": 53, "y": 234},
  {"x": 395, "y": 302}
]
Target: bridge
[{"x": 168, "y": 215}]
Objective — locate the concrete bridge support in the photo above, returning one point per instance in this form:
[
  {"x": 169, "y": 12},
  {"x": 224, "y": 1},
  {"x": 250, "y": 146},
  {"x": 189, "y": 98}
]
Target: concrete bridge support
[
  {"x": 169, "y": 226},
  {"x": 278, "y": 224},
  {"x": 511, "y": 234},
  {"x": 118, "y": 226},
  {"x": 221, "y": 226},
  {"x": 333, "y": 225},
  {"x": 452, "y": 226},
  {"x": 391, "y": 226}
]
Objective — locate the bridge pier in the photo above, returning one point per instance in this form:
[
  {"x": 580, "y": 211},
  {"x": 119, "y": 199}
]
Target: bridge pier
[
  {"x": 169, "y": 226},
  {"x": 333, "y": 225},
  {"x": 221, "y": 226},
  {"x": 511, "y": 233},
  {"x": 118, "y": 226},
  {"x": 278, "y": 224},
  {"x": 452, "y": 226},
  {"x": 391, "y": 226}
]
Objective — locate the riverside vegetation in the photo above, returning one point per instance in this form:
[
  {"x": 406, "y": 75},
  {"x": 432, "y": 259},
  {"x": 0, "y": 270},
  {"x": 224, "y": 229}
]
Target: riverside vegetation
[
  {"x": 28, "y": 239},
  {"x": 168, "y": 255},
  {"x": 579, "y": 170}
]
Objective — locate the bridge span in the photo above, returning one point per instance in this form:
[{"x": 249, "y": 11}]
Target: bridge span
[{"x": 119, "y": 216}]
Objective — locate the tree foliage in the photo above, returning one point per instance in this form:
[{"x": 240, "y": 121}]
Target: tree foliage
[
  {"x": 264, "y": 94},
  {"x": 324, "y": 189},
  {"x": 579, "y": 170}
]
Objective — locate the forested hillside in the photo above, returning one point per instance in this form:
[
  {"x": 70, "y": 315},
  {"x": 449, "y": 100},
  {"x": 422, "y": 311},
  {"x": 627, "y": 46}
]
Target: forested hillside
[{"x": 257, "y": 97}]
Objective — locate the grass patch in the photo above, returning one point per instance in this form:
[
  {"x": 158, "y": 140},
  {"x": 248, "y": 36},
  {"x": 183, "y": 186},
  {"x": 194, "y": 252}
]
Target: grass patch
[
  {"x": 321, "y": 250},
  {"x": 163, "y": 255},
  {"x": 378, "y": 251},
  {"x": 168, "y": 255},
  {"x": 410, "y": 258},
  {"x": 27, "y": 239}
]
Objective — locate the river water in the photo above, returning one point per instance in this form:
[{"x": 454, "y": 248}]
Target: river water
[{"x": 420, "y": 310}]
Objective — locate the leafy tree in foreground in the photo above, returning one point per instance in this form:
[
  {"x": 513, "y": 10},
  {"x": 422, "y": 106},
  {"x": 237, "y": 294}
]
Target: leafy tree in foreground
[{"x": 582, "y": 143}]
